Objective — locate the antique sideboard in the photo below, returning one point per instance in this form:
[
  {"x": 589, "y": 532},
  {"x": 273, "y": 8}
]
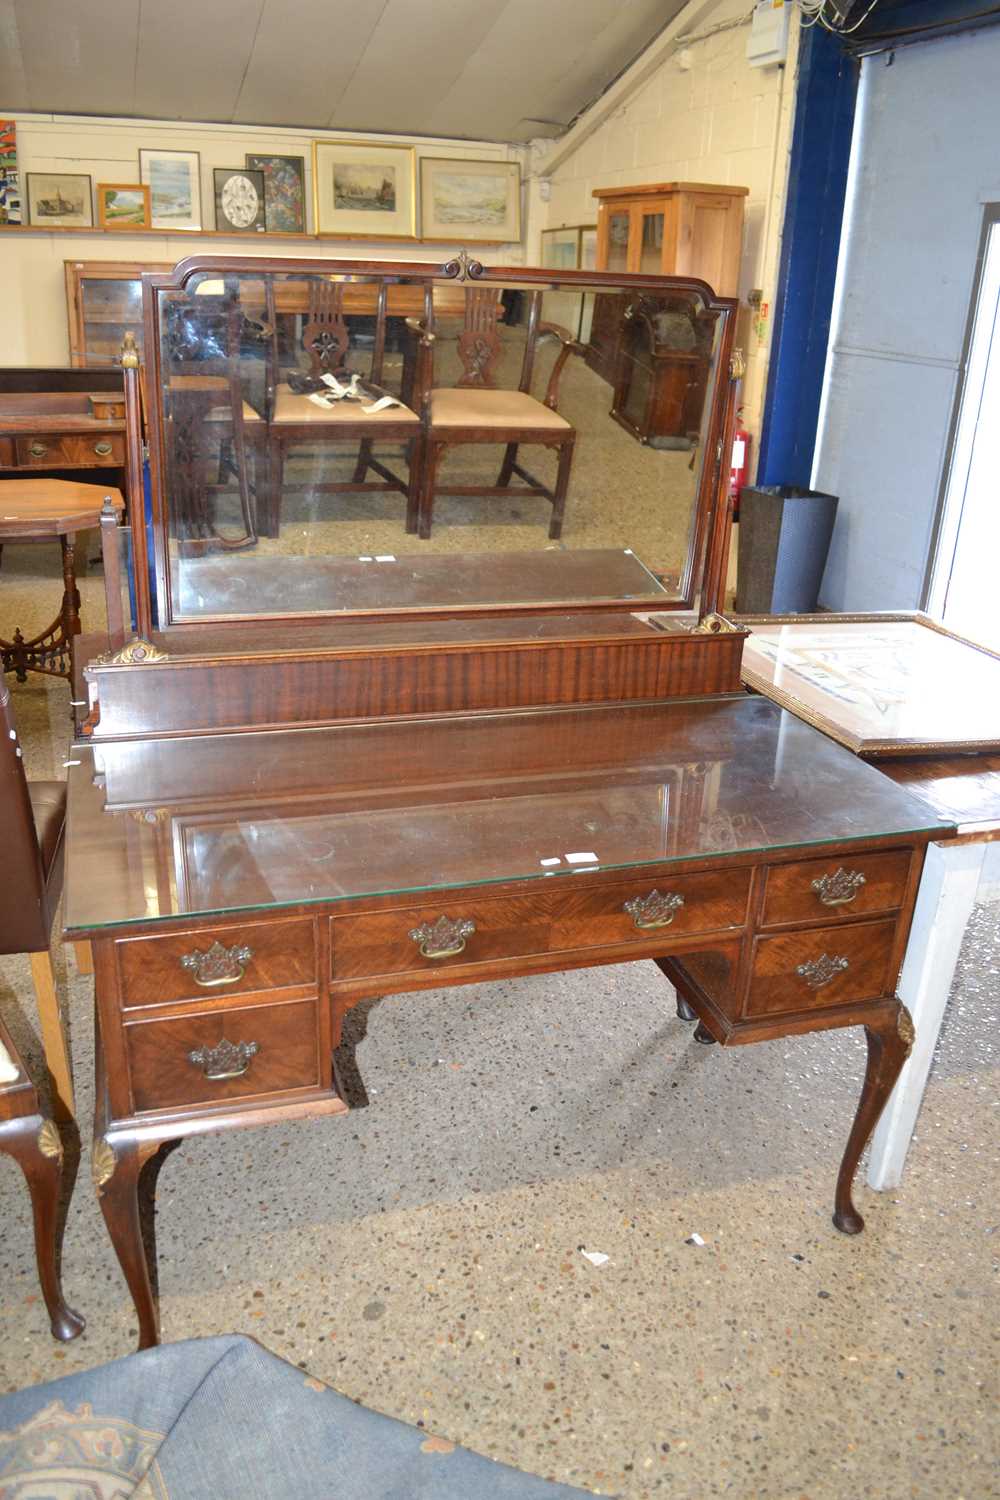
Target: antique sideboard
[{"x": 352, "y": 760}]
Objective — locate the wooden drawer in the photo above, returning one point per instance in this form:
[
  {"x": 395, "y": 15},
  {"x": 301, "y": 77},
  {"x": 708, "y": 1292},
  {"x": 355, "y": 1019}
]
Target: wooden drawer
[
  {"x": 589, "y": 918},
  {"x": 44, "y": 450},
  {"x": 815, "y": 969},
  {"x": 6, "y": 452},
  {"x": 823, "y": 889},
  {"x": 381, "y": 942},
  {"x": 257, "y": 1049},
  {"x": 218, "y": 962}
]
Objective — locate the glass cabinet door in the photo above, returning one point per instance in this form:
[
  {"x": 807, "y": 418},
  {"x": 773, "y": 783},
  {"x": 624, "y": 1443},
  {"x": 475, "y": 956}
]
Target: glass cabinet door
[
  {"x": 618, "y": 227},
  {"x": 104, "y": 301},
  {"x": 650, "y": 240}
]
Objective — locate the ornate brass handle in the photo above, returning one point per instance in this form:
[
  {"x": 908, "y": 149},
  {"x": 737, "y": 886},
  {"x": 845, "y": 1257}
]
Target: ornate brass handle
[
  {"x": 840, "y": 888},
  {"x": 38, "y": 450},
  {"x": 227, "y": 1060},
  {"x": 654, "y": 910},
  {"x": 217, "y": 965},
  {"x": 103, "y": 449},
  {"x": 443, "y": 938},
  {"x": 819, "y": 971}
]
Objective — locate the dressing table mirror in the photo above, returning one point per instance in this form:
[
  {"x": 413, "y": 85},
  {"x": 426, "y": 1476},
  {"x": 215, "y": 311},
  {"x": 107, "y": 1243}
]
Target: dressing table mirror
[{"x": 426, "y": 690}]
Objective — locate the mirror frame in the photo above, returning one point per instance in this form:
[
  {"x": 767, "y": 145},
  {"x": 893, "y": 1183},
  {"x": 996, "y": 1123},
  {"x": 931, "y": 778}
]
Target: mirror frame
[{"x": 702, "y": 575}]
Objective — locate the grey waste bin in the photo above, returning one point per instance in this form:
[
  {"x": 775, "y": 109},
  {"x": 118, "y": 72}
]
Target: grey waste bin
[{"x": 784, "y": 536}]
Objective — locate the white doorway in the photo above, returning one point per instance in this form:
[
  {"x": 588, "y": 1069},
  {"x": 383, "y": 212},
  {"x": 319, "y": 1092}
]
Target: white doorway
[{"x": 964, "y": 580}]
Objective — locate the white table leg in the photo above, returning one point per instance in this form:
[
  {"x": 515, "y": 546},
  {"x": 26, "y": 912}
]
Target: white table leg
[{"x": 944, "y": 904}]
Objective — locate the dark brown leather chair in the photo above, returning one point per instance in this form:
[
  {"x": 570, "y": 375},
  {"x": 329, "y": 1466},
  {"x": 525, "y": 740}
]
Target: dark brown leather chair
[
  {"x": 36, "y": 1145},
  {"x": 32, "y": 815}
]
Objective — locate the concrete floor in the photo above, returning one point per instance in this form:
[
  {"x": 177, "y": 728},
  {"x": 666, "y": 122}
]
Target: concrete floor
[{"x": 424, "y": 1256}]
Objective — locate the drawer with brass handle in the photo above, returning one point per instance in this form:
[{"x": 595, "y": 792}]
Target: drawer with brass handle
[
  {"x": 70, "y": 450},
  {"x": 427, "y": 937},
  {"x": 817, "y": 890},
  {"x": 223, "y": 961},
  {"x": 678, "y": 905},
  {"x": 795, "y": 971},
  {"x": 217, "y": 1055}
]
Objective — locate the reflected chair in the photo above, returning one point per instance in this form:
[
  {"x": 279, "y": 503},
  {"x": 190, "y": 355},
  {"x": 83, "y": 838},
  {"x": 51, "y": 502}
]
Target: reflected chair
[
  {"x": 295, "y": 419},
  {"x": 475, "y": 411},
  {"x": 35, "y": 1144},
  {"x": 32, "y": 814}
]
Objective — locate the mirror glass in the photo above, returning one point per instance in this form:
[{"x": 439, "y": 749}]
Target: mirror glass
[{"x": 336, "y": 444}]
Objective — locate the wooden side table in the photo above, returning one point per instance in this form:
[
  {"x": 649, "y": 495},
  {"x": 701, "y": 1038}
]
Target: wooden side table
[{"x": 35, "y": 510}]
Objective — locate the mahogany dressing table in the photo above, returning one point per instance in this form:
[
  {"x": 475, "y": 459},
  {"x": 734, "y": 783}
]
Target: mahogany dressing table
[{"x": 288, "y": 801}]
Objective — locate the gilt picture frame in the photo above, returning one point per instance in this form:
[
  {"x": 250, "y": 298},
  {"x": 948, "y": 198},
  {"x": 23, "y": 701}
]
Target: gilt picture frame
[
  {"x": 174, "y": 181},
  {"x": 364, "y": 190},
  {"x": 464, "y": 200},
  {"x": 123, "y": 206},
  {"x": 284, "y": 191}
]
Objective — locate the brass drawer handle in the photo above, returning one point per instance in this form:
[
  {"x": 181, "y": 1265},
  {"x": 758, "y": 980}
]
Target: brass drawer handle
[
  {"x": 38, "y": 450},
  {"x": 840, "y": 888},
  {"x": 227, "y": 1060},
  {"x": 819, "y": 971},
  {"x": 217, "y": 965},
  {"x": 443, "y": 938},
  {"x": 103, "y": 449},
  {"x": 654, "y": 910}
]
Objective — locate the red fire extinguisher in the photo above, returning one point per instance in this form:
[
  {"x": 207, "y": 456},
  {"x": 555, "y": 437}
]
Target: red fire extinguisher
[{"x": 739, "y": 467}]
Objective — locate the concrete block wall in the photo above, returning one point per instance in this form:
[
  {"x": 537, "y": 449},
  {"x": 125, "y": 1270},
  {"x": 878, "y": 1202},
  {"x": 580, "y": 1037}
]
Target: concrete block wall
[{"x": 701, "y": 113}]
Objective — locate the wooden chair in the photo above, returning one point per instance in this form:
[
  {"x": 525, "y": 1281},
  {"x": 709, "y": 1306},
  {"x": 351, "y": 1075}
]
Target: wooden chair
[
  {"x": 475, "y": 411},
  {"x": 36, "y": 1145},
  {"x": 294, "y": 419},
  {"x": 32, "y": 815}
]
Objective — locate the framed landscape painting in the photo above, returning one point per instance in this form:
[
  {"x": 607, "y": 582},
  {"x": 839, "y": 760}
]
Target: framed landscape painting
[
  {"x": 284, "y": 191},
  {"x": 470, "y": 200},
  {"x": 365, "y": 190},
  {"x": 60, "y": 199},
  {"x": 122, "y": 205},
  {"x": 174, "y": 181}
]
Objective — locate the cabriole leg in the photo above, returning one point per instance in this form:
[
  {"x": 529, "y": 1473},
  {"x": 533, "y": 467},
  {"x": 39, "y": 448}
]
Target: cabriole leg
[
  {"x": 889, "y": 1044},
  {"x": 116, "y": 1172},
  {"x": 37, "y": 1147}
]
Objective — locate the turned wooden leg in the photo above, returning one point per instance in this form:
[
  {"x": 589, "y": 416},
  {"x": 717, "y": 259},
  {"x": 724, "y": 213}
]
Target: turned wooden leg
[
  {"x": 889, "y": 1044},
  {"x": 53, "y": 1035},
  {"x": 115, "y": 1171},
  {"x": 684, "y": 1010},
  {"x": 507, "y": 467},
  {"x": 37, "y": 1147},
  {"x": 84, "y": 958},
  {"x": 562, "y": 486}
]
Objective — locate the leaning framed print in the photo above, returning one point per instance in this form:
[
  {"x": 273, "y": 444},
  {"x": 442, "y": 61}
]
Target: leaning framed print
[
  {"x": 284, "y": 191},
  {"x": 239, "y": 200},
  {"x": 123, "y": 205},
  {"x": 174, "y": 180},
  {"x": 364, "y": 190},
  {"x": 61, "y": 200},
  {"x": 470, "y": 200},
  {"x": 882, "y": 684}
]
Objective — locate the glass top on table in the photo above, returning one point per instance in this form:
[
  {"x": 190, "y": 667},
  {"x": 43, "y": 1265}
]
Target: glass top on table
[{"x": 204, "y": 826}]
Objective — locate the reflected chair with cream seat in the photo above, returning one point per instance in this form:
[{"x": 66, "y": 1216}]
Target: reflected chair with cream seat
[{"x": 475, "y": 411}]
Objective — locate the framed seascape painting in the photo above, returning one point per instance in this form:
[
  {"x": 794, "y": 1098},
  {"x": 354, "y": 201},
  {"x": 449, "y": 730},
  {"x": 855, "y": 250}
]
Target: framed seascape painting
[
  {"x": 284, "y": 191},
  {"x": 60, "y": 199},
  {"x": 174, "y": 181},
  {"x": 239, "y": 200},
  {"x": 364, "y": 190},
  {"x": 881, "y": 684},
  {"x": 470, "y": 200},
  {"x": 122, "y": 205}
]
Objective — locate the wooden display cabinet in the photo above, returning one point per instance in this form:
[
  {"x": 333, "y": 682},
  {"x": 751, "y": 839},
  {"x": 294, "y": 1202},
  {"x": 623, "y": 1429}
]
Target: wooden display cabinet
[
  {"x": 103, "y": 303},
  {"x": 662, "y": 229}
]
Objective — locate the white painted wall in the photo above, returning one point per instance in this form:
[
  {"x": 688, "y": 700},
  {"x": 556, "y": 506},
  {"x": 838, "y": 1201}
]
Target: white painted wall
[
  {"x": 33, "y": 321},
  {"x": 693, "y": 111},
  {"x": 925, "y": 161}
]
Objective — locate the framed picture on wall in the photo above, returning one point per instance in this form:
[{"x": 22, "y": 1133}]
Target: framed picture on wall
[
  {"x": 123, "y": 205},
  {"x": 10, "y": 186},
  {"x": 60, "y": 199},
  {"x": 470, "y": 200},
  {"x": 284, "y": 191},
  {"x": 365, "y": 190},
  {"x": 174, "y": 181},
  {"x": 561, "y": 249},
  {"x": 239, "y": 200}
]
